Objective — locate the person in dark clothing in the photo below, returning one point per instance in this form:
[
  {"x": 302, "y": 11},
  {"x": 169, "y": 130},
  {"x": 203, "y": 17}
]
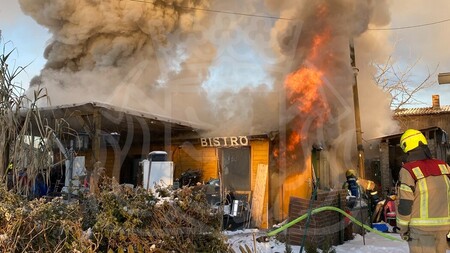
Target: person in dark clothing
[
  {"x": 10, "y": 177},
  {"x": 40, "y": 187},
  {"x": 56, "y": 179},
  {"x": 352, "y": 183}
]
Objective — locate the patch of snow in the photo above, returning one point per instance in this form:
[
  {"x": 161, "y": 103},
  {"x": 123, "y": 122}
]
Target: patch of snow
[{"x": 371, "y": 243}]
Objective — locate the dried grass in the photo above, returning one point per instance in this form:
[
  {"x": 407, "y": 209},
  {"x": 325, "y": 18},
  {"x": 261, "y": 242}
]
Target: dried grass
[{"x": 119, "y": 218}]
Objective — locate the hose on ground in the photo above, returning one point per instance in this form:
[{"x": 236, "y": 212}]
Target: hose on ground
[{"x": 331, "y": 208}]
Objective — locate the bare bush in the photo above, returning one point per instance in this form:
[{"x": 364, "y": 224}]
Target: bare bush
[
  {"x": 119, "y": 218},
  {"x": 40, "y": 225},
  {"x": 181, "y": 222},
  {"x": 24, "y": 134}
]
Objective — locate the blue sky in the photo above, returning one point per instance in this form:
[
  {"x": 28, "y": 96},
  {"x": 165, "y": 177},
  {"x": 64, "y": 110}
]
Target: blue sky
[
  {"x": 426, "y": 44},
  {"x": 23, "y": 34}
]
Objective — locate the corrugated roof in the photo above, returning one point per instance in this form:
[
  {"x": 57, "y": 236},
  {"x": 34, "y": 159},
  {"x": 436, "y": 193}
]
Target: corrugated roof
[
  {"x": 80, "y": 118},
  {"x": 67, "y": 109},
  {"x": 422, "y": 111},
  {"x": 397, "y": 135}
]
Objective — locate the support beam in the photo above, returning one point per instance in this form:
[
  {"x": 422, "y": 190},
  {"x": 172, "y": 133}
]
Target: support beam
[
  {"x": 97, "y": 135},
  {"x": 97, "y": 167},
  {"x": 82, "y": 121},
  {"x": 359, "y": 144}
]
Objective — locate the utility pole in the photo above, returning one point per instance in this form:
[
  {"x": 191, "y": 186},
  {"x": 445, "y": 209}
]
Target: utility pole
[{"x": 359, "y": 144}]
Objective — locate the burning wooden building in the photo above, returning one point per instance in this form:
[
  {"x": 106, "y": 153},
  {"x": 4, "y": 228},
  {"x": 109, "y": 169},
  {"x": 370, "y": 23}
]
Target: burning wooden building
[
  {"x": 250, "y": 166},
  {"x": 299, "y": 114}
]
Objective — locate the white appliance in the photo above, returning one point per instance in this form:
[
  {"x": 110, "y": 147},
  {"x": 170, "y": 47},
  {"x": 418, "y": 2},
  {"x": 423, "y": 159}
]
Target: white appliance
[{"x": 157, "y": 171}]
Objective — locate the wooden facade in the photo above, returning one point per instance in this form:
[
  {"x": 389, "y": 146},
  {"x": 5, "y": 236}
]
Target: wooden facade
[
  {"x": 117, "y": 139},
  {"x": 192, "y": 156}
]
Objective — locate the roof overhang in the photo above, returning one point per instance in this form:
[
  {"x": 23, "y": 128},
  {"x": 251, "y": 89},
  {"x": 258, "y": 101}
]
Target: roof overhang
[
  {"x": 80, "y": 118},
  {"x": 398, "y": 135}
]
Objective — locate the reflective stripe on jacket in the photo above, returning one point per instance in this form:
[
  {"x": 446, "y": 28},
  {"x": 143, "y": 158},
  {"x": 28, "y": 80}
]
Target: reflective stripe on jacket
[{"x": 424, "y": 196}]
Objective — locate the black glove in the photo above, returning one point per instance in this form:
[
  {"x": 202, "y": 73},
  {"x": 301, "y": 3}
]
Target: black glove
[{"x": 396, "y": 229}]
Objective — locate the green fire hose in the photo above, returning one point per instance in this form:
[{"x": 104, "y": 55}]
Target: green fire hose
[{"x": 331, "y": 208}]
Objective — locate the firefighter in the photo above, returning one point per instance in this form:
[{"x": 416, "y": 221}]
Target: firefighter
[
  {"x": 352, "y": 183},
  {"x": 423, "y": 203}
]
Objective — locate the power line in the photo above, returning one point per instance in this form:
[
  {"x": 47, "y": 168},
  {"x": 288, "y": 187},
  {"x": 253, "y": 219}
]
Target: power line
[
  {"x": 218, "y": 11},
  {"x": 409, "y": 27},
  {"x": 281, "y": 18}
]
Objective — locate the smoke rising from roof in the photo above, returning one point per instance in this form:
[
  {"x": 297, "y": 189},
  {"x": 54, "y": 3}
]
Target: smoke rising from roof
[
  {"x": 334, "y": 23},
  {"x": 126, "y": 53},
  {"x": 220, "y": 68},
  {"x": 88, "y": 35}
]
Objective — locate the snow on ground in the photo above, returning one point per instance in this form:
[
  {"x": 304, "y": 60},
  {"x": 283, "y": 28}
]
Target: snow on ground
[{"x": 371, "y": 243}]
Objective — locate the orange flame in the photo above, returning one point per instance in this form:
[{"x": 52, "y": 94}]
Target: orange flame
[
  {"x": 304, "y": 95},
  {"x": 303, "y": 88},
  {"x": 276, "y": 152},
  {"x": 294, "y": 140},
  {"x": 317, "y": 42}
]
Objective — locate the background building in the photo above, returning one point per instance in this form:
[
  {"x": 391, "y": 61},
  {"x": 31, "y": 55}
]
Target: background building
[{"x": 384, "y": 155}]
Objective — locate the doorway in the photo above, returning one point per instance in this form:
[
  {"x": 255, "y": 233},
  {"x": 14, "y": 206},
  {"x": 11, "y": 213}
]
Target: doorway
[{"x": 235, "y": 167}]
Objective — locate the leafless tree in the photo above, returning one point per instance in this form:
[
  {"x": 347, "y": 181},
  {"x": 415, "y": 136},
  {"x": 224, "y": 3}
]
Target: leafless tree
[{"x": 402, "y": 82}]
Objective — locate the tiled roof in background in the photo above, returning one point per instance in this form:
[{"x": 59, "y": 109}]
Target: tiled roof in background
[{"x": 422, "y": 111}]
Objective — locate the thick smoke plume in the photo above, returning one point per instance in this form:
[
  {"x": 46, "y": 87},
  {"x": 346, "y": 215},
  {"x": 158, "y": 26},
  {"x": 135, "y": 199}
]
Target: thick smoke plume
[
  {"x": 122, "y": 52},
  {"x": 317, "y": 39},
  {"x": 220, "y": 67}
]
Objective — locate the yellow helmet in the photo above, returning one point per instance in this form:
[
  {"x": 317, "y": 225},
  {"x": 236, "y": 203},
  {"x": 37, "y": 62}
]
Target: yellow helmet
[
  {"x": 411, "y": 139},
  {"x": 350, "y": 173}
]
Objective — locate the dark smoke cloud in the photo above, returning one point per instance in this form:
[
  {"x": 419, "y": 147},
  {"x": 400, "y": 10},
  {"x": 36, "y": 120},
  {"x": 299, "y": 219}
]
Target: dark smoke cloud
[
  {"x": 157, "y": 57},
  {"x": 294, "y": 39}
]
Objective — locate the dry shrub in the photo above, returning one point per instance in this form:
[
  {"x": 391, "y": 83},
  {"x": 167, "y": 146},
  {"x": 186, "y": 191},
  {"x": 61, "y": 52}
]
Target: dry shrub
[
  {"x": 40, "y": 225},
  {"x": 180, "y": 222},
  {"x": 118, "y": 218}
]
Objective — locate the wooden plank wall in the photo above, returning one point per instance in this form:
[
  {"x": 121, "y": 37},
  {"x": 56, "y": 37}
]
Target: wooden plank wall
[
  {"x": 260, "y": 155},
  {"x": 206, "y": 160},
  {"x": 203, "y": 159}
]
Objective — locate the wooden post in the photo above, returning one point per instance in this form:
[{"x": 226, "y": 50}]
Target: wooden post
[
  {"x": 96, "y": 138},
  {"x": 97, "y": 167},
  {"x": 360, "y": 147},
  {"x": 258, "y": 196}
]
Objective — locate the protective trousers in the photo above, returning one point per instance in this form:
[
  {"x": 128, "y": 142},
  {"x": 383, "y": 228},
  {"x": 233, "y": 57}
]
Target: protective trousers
[{"x": 428, "y": 242}]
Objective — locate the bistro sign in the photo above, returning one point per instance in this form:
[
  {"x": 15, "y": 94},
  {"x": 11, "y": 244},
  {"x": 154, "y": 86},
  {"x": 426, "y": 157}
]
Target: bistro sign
[{"x": 233, "y": 141}]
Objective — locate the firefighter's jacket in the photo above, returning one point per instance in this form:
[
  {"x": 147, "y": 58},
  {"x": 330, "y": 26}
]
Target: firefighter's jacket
[{"x": 424, "y": 196}]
